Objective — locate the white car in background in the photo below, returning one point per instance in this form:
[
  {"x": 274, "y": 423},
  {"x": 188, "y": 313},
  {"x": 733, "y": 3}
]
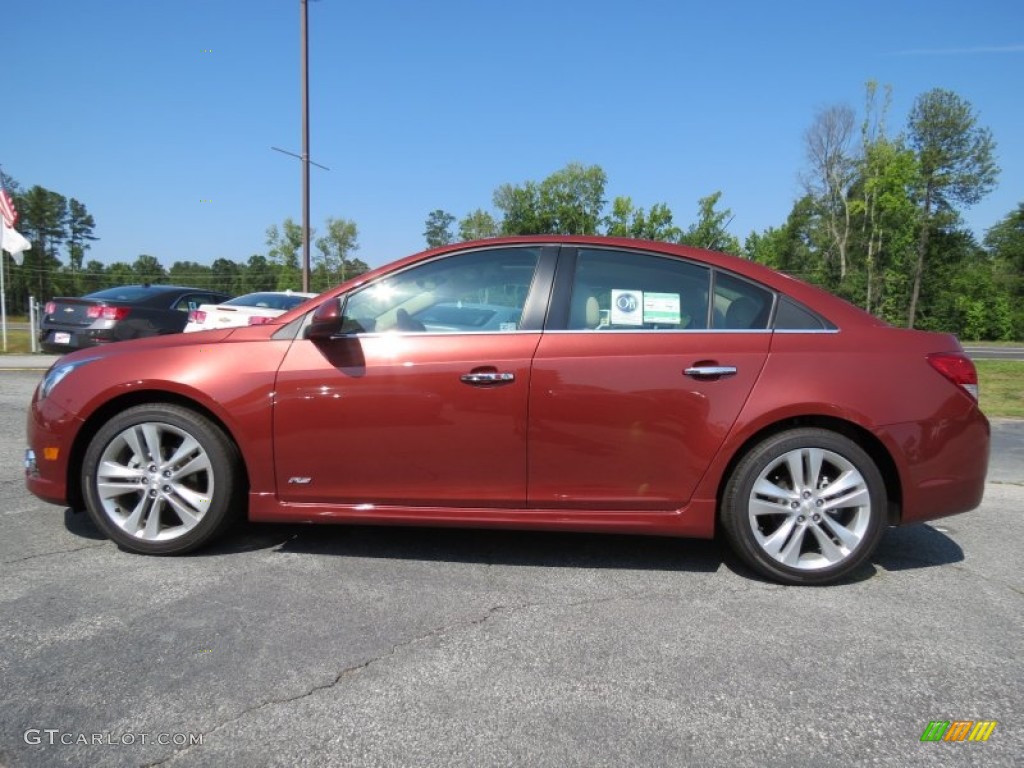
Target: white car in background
[{"x": 250, "y": 309}]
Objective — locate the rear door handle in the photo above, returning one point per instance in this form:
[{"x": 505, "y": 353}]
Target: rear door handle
[
  {"x": 710, "y": 371},
  {"x": 488, "y": 378}
]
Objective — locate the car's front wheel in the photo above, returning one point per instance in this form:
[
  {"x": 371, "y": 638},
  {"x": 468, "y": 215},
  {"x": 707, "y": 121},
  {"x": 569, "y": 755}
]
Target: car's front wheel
[
  {"x": 805, "y": 506},
  {"x": 161, "y": 479}
]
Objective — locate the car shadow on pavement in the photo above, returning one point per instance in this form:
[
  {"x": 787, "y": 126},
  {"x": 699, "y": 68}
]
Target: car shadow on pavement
[
  {"x": 551, "y": 549},
  {"x": 920, "y": 545},
  {"x": 79, "y": 524},
  {"x": 912, "y": 547}
]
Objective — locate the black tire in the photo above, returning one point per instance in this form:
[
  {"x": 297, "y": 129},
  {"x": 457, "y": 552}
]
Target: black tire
[
  {"x": 169, "y": 504},
  {"x": 805, "y": 506}
]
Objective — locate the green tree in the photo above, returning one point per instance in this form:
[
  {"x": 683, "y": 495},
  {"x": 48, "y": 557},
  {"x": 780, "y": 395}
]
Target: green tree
[
  {"x": 627, "y": 221},
  {"x": 80, "y": 226},
  {"x": 710, "y": 230},
  {"x": 148, "y": 269},
  {"x": 258, "y": 275},
  {"x": 334, "y": 263},
  {"x": 571, "y": 199},
  {"x": 225, "y": 275},
  {"x": 568, "y": 202},
  {"x": 1005, "y": 245},
  {"x": 190, "y": 273},
  {"x": 957, "y": 168},
  {"x": 438, "y": 230},
  {"x": 789, "y": 248},
  {"x": 520, "y": 208},
  {"x": 478, "y": 225},
  {"x": 960, "y": 293},
  {"x": 284, "y": 249},
  {"x": 42, "y": 218},
  {"x": 94, "y": 277},
  {"x": 120, "y": 273}
]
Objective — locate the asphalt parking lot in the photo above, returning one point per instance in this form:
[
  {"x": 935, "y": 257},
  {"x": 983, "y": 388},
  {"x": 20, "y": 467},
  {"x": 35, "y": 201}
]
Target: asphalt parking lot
[{"x": 355, "y": 646}]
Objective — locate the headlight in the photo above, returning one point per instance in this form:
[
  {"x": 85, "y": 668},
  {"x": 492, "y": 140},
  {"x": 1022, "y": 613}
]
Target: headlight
[{"x": 56, "y": 375}]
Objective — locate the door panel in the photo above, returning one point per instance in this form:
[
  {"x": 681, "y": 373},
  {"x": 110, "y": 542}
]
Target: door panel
[
  {"x": 615, "y": 423},
  {"x": 388, "y": 419}
]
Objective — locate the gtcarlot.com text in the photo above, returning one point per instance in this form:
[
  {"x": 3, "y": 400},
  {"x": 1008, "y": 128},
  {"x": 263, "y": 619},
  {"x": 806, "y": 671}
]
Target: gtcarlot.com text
[{"x": 55, "y": 737}]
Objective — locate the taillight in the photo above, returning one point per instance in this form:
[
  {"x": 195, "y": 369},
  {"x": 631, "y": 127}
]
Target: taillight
[
  {"x": 258, "y": 319},
  {"x": 107, "y": 313},
  {"x": 197, "y": 316},
  {"x": 958, "y": 368},
  {"x": 50, "y": 308}
]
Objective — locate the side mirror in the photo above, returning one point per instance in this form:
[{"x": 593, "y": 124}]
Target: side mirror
[{"x": 327, "y": 321}]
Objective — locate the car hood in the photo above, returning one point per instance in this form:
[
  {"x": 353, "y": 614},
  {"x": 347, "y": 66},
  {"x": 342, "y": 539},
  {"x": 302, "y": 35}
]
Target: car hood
[{"x": 166, "y": 341}]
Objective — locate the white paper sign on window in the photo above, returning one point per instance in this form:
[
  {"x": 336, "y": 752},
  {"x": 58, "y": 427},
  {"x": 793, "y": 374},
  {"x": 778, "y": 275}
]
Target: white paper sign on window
[
  {"x": 627, "y": 307},
  {"x": 661, "y": 308}
]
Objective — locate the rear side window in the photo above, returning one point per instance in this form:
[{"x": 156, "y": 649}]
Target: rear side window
[
  {"x": 193, "y": 301},
  {"x": 625, "y": 290},
  {"x": 740, "y": 305},
  {"x": 795, "y": 317}
]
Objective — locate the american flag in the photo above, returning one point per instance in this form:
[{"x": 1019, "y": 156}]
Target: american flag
[{"x": 7, "y": 208}]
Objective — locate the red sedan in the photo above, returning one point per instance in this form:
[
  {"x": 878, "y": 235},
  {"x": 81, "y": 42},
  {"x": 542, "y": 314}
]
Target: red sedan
[{"x": 566, "y": 383}]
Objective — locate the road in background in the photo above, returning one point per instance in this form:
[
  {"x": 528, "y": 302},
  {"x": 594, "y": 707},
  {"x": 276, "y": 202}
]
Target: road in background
[{"x": 995, "y": 353}]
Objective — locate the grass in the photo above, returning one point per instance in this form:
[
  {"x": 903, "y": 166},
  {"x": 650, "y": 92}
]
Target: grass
[
  {"x": 1002, "y": 388},
  {"x": 17, "y": 342}
]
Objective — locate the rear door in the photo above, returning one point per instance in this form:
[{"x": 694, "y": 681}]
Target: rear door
[{"x": 633, "y": 388}]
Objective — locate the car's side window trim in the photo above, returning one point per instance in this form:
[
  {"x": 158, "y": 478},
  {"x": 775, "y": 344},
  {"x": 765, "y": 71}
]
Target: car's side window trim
[
  {"x": 561, "y": 291},
  {"x": 540, "y": 297}
]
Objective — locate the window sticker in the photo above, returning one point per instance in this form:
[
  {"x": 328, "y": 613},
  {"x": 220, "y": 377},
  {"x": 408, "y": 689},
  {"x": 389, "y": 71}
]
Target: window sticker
[
  {"x": 661, "y": 308},
  {"x": 627, "y": 307}
]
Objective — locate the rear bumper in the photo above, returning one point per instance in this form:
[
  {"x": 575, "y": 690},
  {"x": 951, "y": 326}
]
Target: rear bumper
[
  {"x": 942, "y": 464},
  {"x": 63, "y": 341}
]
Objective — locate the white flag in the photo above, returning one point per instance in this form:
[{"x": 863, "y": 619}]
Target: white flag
[{"x": 13, "y": 242}]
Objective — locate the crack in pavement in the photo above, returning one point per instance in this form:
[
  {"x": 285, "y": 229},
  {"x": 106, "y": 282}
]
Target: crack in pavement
[
  {"x": 347, "y": 671},
  {"x": 57, "y": 552},
  {"x": 398, "y": 647}
]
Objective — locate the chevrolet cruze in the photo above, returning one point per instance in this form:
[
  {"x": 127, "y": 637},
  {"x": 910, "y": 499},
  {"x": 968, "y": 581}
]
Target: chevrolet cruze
[{"x": 615, "y": 385}]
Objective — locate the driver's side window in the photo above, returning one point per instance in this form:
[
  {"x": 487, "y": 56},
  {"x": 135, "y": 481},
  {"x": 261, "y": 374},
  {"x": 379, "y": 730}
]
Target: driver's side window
[{"x": 477, "y": 291}]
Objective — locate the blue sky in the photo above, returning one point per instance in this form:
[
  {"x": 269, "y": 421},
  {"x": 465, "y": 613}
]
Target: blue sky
[{"x": 145, "y": 110}]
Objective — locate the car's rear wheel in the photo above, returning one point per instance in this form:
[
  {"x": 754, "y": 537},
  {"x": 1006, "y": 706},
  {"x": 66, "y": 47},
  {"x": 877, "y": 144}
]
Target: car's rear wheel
[
  {"x": 805, "y": 506},
  {"x": 161, "y": 479}
]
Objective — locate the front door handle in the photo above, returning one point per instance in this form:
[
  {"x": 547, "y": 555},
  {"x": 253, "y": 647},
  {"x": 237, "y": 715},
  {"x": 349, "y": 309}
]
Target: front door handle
[
  {"x": 488, "y": 378},
  {"x": 710, "y": 371}
]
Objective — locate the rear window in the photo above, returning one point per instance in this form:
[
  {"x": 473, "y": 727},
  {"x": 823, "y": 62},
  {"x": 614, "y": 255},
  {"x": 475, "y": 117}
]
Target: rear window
[
  {"x": 123, "y": 293},
  {"x": 267, "y": 300}
]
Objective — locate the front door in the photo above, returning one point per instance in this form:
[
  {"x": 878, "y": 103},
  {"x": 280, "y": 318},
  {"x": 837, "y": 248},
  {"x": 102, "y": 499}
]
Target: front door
[{"x": 424, "y": 403}]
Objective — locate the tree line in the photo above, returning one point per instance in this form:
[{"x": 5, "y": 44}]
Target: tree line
[
  {"x": 61, "y": 232},
  {"x": 878, "y": 223}
]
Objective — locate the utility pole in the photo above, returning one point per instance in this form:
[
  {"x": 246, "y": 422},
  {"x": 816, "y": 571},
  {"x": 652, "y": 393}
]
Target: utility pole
[{"x": 304, "y": 157}]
